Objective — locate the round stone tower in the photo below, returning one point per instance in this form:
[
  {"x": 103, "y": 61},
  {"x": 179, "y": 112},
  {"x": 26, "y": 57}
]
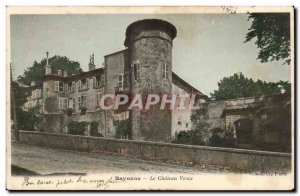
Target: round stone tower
[{"x": 149, "y": 45}]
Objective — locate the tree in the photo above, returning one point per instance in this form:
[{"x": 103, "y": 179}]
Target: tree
[
  {"x": 240, "y": 86},
  {"x": 200, "y": 119},
  {"x": 27, "y": 120},
  {"x": 122, "y": 130},
  {"x": 272, "y": 33},
  {"x": 35, "y": 72},
  {"x": 31, "y": 119},
  {"x": 198, "y": 135}
]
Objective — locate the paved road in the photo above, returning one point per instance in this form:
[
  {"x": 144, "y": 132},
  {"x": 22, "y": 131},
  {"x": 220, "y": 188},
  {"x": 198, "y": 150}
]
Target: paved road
[{"x": 48, "y": 161}]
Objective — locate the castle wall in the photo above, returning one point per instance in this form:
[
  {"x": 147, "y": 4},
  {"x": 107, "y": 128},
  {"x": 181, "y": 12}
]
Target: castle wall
[
  {"x": 181, "y": 118},
  {"x": 114, "y": 65}
]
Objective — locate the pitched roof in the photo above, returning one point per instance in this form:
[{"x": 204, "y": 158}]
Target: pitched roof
[{"x": 175, "y": 78}]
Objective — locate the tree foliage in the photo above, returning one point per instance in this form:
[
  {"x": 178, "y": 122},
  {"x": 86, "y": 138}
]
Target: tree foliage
[
  {"x": 238, "y": 85},
  {"x": 77, "y": 128},
  {"x": 122, "y": 129},
  {"x": 94, "y": 129},
  {"x": 198, "y": 135},
  {"x": 27, "y": 120},
  {"x": 37, "y": 70},
  {"x": 272, "y": 33}
]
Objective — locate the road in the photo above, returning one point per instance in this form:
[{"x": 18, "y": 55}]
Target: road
[{"x": 47, "y": 161}]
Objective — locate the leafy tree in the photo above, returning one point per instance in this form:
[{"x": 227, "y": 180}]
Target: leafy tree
[
  {"x": 240, "y": 86},
  {"x": 272, "y": 33},
  {"x": 200, "y": 119},
  {"x": 27, "y": 120},
  {"x": 35, "y": 72}
]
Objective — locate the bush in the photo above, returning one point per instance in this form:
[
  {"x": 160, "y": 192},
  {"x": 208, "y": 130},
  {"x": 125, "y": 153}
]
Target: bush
[
  {"x": 122, "y": 130},
  {"x": 189, "y": 137},
  {"x": 29, "y": 120},
  {"x": 94, "y": 129},
  {"x": 184, "y": 137},
  {"x": 217, "y": 141},
  {"x": 77, "y": 128}
]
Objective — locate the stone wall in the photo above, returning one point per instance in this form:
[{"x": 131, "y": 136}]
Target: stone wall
[{"x": 177, "y": 153}]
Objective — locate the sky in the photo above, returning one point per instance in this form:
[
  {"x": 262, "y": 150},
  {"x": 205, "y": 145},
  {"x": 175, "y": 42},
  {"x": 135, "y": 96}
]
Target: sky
[{"x": 208, "y": 47}]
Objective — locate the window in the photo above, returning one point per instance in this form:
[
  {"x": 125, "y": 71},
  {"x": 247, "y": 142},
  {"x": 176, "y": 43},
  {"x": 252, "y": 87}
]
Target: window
[
  {"x": 37, "y": 93},
  {"x": 94, "y": 82},
  {"x": 87, "y": 80},
  {"x": 56, "y": 86},
  {"x": 73, "y": 86},
  {"x": 62, "y": 103},
  {"x": 73, "y": 102},
  {"x": 33, "y": 94},
  {"x": 61, "y": 86},
  {"x": 79, "y": 102},
  {"x": 165, "y": 70},
  {"x": 65, "y": 103},
  {"x": 43, "y": 107},
  {"x": 102, "y": 80},
  {"x": 120, "y": 80},
  {"x": 179, "y": 121},
  {"x": 69, "y": 86},
  {"x": 79, "y": 85},
  {"x": 136, "y": 71},
  {"x": 70, "y": 105},
  {"x": 83, "y": 100},
  {"x": 98, "y": 97}
]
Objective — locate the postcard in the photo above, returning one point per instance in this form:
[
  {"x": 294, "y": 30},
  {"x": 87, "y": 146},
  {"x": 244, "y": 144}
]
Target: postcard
[{"x": 150, "y": 98}]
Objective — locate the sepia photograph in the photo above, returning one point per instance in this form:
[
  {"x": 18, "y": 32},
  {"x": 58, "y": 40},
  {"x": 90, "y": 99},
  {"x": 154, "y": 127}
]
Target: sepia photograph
[{"x": 150, "y": 98}]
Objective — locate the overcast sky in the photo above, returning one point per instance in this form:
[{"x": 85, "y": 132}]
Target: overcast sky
[{"x": 207, "y": 48}]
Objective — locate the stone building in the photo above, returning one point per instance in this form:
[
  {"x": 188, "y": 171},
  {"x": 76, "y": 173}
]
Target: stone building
[
  {"x": 262, "y": 123},
  {"x": 144, "y": 67}
]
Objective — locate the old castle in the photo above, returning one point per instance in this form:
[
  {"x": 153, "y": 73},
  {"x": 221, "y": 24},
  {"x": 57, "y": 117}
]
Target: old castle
[{"x": 145, "y": 66}]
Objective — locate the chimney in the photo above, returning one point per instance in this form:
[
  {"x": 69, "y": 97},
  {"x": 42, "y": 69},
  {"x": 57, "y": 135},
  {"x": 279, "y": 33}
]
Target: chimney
[
  {"x": 92, "y": 63},
  {"x": 59, "y": 72},
  {"x": 48, "y": 67},
  {"x": 65, "y": 74}
]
